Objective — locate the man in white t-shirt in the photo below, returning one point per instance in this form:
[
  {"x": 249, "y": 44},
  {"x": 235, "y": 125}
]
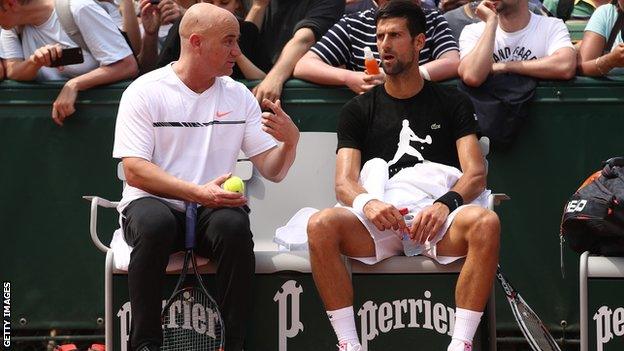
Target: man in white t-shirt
[
  {"x": 40, "y": 41},
  {"x": 179, "y": 132},
  {"x": 511, "y": 39}
]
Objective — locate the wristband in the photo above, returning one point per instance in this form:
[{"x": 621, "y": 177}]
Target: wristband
[
  {"x": 361, "y": 200},
  {"x": 451, "y": 199}
]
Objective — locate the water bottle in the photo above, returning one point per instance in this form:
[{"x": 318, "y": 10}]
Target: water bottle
[
  {"x": 372, "y": 67},
  {"x": 410, "y": 247}
]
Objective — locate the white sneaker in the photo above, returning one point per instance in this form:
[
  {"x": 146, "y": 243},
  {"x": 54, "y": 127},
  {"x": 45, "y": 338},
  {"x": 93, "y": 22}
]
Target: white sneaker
[{"x": 349, "y": 347}]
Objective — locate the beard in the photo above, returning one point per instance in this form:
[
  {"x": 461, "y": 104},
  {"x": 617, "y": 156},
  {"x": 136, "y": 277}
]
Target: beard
[{"x": 398, "y": 66}]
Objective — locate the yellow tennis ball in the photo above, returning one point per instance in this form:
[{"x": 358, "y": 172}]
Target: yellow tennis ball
[{"x": 234, "y": 184}]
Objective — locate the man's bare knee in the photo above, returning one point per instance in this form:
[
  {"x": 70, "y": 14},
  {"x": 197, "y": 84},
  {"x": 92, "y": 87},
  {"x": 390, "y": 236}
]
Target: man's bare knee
[
  {"x": 322, "y": 230},
  {"x": 484, "y": 232}
]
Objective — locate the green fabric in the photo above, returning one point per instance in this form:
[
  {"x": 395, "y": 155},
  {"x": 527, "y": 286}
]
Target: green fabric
[{"x": 581, "y": 9}]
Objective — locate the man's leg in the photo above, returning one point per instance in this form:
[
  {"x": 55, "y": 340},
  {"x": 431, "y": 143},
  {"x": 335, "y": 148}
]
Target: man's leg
[
  {"x": 332, "y": 232},
  {"x": 227, "y": 240},
  {"x": 154, "y": 230},
  {"x": 475, "y": 232}
]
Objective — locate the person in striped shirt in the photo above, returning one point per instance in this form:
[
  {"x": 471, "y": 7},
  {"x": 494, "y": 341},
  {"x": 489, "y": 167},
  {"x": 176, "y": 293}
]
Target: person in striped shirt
[{"x": 338, "y": 58}]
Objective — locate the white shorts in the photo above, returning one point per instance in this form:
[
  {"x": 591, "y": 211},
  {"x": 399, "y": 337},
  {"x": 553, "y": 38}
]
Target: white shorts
[{"x": 388, "y": 244}]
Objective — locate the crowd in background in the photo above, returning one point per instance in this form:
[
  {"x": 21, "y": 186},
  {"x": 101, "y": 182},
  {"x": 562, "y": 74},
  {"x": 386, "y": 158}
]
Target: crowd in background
[{"x": 321, "y": 41}]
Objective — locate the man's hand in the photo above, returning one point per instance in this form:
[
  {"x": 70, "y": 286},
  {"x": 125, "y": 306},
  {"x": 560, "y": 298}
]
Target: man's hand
[
  {"x": 170, "y": 11},
  {"x": 270, "y": 88},
  {"x": 384, "y": 216},
  {"x": 360, "y": 82},
  {"x": 486, "y": 11},
  {"x": 212, "y": 195},
  {"x": 279, "y": 124},
  {"x": 45, "y": 55},
  {"x": 428, "y": 222},
  {"x": 150, "y": 17},
  {"x": 64, "y": 104}
]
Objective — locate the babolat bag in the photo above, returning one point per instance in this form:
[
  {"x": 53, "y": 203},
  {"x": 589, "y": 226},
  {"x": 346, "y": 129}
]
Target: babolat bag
[{"x": 593, "y": 218}]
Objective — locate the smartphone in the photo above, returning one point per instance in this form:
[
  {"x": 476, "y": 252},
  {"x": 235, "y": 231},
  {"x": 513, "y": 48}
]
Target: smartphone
[{"x": 69, "y": 56}]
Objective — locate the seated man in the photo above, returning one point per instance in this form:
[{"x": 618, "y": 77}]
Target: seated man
[
  {"x": 343, "y": 45},
  {"x": 512, "y": 39},
  {"x": 166, "y": 163},
  {"x": 30, "y": 53},
  {"x": 364, "y": 228}
]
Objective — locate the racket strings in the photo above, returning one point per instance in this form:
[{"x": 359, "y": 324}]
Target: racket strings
[
  {"x": 536, "y": 329},
  {"x": 191, "y": 323}
]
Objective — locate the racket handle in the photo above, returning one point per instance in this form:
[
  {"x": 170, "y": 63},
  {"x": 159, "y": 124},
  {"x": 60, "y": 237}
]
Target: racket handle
[{"x": 191, "y": 220}]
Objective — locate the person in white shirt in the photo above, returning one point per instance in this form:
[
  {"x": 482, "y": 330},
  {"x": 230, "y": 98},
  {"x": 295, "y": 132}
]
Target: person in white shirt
[
  {"x": 30, "y": 52},
  {"x": 511, "y": 39},
  {"x": 179, "y": 132}
]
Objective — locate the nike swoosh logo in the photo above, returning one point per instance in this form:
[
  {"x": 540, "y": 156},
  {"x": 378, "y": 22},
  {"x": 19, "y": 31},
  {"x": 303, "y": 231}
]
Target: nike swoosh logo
[{"x": 221, "y": 114}]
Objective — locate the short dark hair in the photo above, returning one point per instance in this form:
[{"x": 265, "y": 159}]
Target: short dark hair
[{"x": 404, "y": 9}]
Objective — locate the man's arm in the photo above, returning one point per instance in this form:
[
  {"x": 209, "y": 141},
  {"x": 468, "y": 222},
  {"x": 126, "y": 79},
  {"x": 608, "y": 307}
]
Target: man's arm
[
  {"x": 250, "y": 71},
  {"x": 151, "y": 19},
  {"x": 147, "y": 176},
  {"x": 444, "y": 67},
  {"x": 472, "y": 183},
  {"x": 274, "y": 163},
  {"x": 560, "y": 65},
  {"x": 271, "y": 87},
  {"x": 256, "y": 12},
  {"x": 312, "y": 68},
  {"x": 475, "y": 67},
  {"x": 26, "y": 70},
  {"x": 473, "y": 180},
  {"x": 131, "y": 24},
  {"x": 120, "y": 70}
]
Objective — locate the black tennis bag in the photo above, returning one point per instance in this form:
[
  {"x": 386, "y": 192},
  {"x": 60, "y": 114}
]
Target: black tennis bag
[{"x": 593, "y": 218}]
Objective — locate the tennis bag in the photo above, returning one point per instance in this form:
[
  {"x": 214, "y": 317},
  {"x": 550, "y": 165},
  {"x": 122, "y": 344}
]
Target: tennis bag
[{"x": 593, "y": 218}]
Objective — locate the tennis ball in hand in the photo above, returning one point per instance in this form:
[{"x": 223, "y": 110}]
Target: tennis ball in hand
[{"x": 234, "y": 184}]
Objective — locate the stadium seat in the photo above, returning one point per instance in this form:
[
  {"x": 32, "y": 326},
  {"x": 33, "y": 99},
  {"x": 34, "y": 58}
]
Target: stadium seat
[{"x": 594, "y": 267}]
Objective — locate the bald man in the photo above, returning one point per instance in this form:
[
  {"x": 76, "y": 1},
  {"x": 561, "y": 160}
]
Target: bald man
[{"x": 179, "y": 131}]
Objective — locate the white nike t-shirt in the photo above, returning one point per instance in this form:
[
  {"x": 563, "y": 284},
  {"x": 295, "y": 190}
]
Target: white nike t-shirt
[
  {"x": 194, "y": 137},
  {"x": 540, "y": 38}
]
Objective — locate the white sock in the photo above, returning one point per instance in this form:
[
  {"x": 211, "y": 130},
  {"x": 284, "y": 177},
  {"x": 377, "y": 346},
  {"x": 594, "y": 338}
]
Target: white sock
[
  {"x": 343, "y": 322},
  {"x": 466, "y": 323},
  {"x": 458, "y": 345}
]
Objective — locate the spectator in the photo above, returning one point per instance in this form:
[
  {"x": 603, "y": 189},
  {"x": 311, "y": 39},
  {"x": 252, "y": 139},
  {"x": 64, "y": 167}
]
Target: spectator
[
  {"x": 166, "y": 165},
  {"x": 343, "y": 46},
  {"x": 251, "y": 64},
  {"x": 602, "y": 49},
  {"x": 511, "y": 39},
  {"x": 2, "y": 69},
  {"x": 375, "y": 176},
  {"x": 288, "y": 29},
  {"x": 462, "y": 16},
  {"x": 29, "y": 55}
]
